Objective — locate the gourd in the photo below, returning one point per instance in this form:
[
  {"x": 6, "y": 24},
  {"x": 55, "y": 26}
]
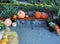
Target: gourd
[
  {"x": 14, "y": 17},
  {"x": 44, "y": 16},
  {"x": 21, "y": 14},
  {"x": 37, "y": 14},
  {"x": 2, "y": 26}
]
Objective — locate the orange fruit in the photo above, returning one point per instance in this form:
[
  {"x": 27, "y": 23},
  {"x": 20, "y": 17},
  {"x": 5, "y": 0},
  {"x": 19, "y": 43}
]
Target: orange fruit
[
  {"x": 14, "y": 17},
  {"x": 37, "y": 14},
  {"x": 56, "y": 27},
  {"x": 44, "y": 16}
]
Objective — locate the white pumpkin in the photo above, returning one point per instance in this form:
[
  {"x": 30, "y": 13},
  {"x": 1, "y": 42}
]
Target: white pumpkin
[
  {"x": 14, "y": 24},
  {"x": 8, "y": 22},
  {"x": 21, "y": 14}
]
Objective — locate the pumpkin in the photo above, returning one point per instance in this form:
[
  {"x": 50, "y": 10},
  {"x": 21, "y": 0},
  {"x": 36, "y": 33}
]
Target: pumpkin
[
  {"x": 44, "y": 16},
  {"x": 21, "y": 14},
  {"x": 26, "y": 16},
  {"x": 56, "y": 27},
  {"x": 14, "y": 24},
  {"x": 14, "y": 17},
  {"x": 58, "y": 31},
  {"x": 37, "y": 14},
  {"x": 8, "y": 22}
]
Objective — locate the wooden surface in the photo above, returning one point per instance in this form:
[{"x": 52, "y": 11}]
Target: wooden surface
[
  {"x": 29, "y": 18},
  {"x": 26, "y": 18}
]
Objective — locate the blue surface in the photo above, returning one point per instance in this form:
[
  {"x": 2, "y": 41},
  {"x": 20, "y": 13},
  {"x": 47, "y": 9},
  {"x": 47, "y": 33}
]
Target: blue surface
[{"x": 35, "y": 34}]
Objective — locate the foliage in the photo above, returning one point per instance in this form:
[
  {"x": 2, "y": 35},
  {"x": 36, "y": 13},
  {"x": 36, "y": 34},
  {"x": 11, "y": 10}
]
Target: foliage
[
  {"x": 55, "y": 2},
  {"x": 9, "y": 9},
  {"x": 58, "y": 13},
  {"x": 8, "y": 1}
]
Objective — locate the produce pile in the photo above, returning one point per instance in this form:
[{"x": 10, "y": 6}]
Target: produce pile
[
  {"x": 6, "y": 35},
  {"x": 37, "y": 15},
  {"x": 49, "y": 12}
]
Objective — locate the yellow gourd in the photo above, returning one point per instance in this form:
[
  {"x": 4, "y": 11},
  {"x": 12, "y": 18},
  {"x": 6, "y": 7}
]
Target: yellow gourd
[
  {"x": 0, "y": 42},
  {"x": 3, "y": 43},
  {"x": 5, "y": 40}
]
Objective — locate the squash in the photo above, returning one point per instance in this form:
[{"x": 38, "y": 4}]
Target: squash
[
  {"x": 8, "y": 22},
  {"x": 21, "y": 14},
  {"x": 58, "y": 31},
  {"x": 37, "y": 14},
  {"x": 5, "y": 40},
  {"x": 14, "y": 17},
  {"x": 26, "y": 16},
  {"x": 3, "y": 43},
  {"x": 44, "y": 16},
  {"x": 56, "y": 27}
]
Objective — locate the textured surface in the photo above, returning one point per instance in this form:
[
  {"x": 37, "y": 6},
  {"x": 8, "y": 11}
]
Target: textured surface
[{"x": 35, "y": 34}]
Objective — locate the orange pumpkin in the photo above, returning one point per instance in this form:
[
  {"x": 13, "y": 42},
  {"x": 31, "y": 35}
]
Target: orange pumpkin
[
  {"x": 14, "y": 17},
  {"x": 37, "y": 14},
  {"x": 56, "y": 27},
  {"x": 44, "y": 16}
]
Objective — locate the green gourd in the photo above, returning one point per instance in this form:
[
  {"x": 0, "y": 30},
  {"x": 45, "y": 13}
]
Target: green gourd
[
  {"x": 51, "y": 24},
  {"x": 2, "y": 26}
]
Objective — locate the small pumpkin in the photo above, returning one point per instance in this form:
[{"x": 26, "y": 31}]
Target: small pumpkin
[
  {"x": 37, "y": 14},
  {"x": 58, "y": 31},
  {"x": 14, "y": 17},
  {"x": 8, "y": 22},
  {"x": 44, "y": 16},
  {"x": 21, "y": 14},
  {"x": 56, "y": 27},
  {"x": 26, "y": 16},
  {"x": 14, "y": 24}
]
